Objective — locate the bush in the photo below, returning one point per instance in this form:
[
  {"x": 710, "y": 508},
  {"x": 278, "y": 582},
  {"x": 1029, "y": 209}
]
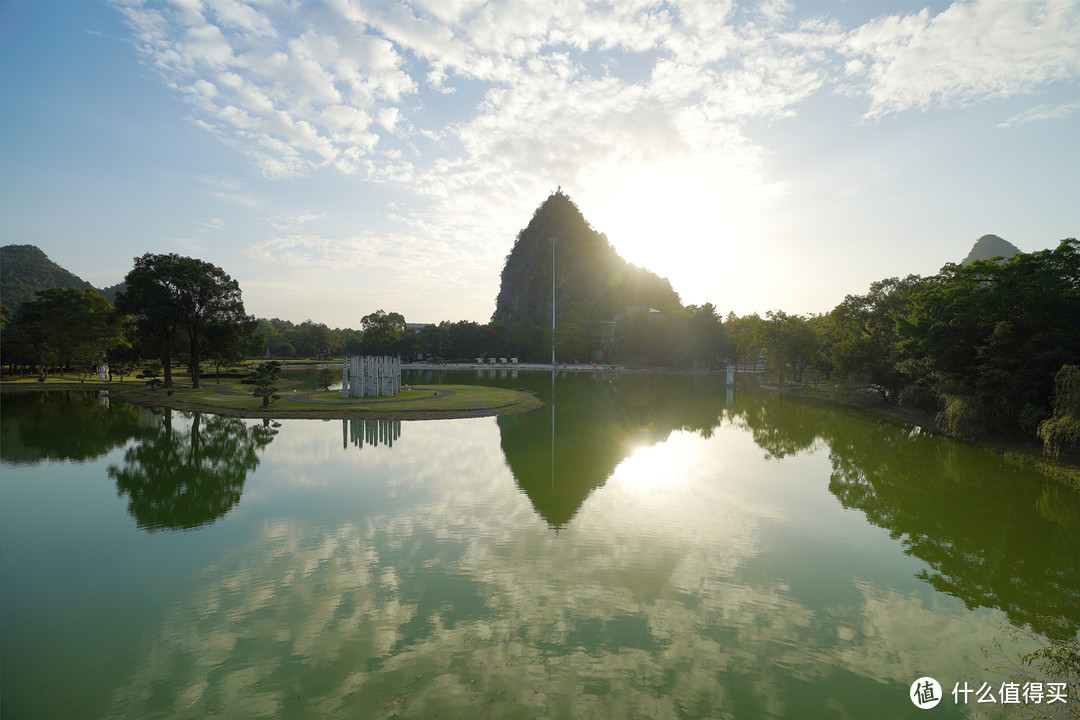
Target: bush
[
  {"x": 920, "y": 395},
  {"x": 1062, "y": 431},
  {"x": 1031, "y": 418},
  {"x": 961, "y": 415}
]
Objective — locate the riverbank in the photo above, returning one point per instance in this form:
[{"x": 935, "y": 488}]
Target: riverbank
[
  {"x": 1010, "y": 450},
  {"x": 234, "y": 399}
]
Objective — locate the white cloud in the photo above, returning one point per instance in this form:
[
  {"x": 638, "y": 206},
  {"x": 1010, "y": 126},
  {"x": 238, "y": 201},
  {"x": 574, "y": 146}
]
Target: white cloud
[
  {"x": 1039, "y": 113},
  {"x": 475, "y": 109},
  {"x": 233, "y": 191},
  {"x": 211, "y": 225},
  {"x": 967, "y": 53}
]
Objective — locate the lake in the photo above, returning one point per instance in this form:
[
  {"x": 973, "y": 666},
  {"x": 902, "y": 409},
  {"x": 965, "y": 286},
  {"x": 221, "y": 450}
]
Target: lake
[{"x": 644, "y": 546}]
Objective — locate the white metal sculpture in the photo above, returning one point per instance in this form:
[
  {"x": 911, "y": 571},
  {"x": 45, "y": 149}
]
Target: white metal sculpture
[{"x": 370, "y": 376}]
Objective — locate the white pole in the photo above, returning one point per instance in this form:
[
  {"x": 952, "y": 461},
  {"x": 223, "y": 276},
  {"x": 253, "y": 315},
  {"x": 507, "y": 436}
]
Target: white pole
[{"x": 553, "y": 301}]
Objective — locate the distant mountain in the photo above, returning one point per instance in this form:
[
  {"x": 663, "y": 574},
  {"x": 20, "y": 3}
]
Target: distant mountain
[
  {"x": 990, "y": 246},
  {"x": 112, "y": 291},
  {"x": 24, "y": 270},
  {"x": 590, "y": 277}
]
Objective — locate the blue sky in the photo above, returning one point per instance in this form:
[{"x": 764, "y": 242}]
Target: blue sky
[{"x": 340, "y": 157}]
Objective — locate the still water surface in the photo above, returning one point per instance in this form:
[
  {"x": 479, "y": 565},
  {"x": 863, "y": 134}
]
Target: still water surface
[{"x": 642, "y": 547}]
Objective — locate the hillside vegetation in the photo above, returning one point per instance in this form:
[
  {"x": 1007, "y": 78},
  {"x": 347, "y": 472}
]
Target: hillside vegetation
[
  {"x": 25, "y": 269},
  {"x": 591, "y": 279}
]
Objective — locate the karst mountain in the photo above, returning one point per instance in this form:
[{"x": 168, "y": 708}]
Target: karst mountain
[
  {"x": 590, "y": 278},
  {"x": 990, "y": 246}
]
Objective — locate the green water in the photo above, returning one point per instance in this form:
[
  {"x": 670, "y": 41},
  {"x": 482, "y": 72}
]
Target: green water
[{"x": 642, "y": 547}]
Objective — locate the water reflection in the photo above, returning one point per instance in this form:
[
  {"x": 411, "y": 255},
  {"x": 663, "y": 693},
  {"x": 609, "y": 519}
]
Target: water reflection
[
  {"x": 993, "y": 535},
  {"x": 409, "y": 612},
  {"x": 713, "y": 558},
  {"x": 370, "y": 431},
  {"x": 74, "y": 425},
  {"x": 593, "y": 424},
  {"x": 191, "y": 471}
]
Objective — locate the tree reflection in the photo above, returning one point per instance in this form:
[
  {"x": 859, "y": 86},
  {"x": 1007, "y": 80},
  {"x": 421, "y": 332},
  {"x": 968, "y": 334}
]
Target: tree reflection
[
  {"x": 74, "y": 425},
  {"x": 182, "y": 478},
  {"x": 993, "y": 535},
  {"x": 981, "y": 527},
  {"x": 598, "y": 421}
]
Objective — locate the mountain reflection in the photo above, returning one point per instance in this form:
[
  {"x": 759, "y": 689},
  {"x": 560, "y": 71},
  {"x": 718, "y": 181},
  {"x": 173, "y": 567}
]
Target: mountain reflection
[
  {"x": 599, "y": 420},
  {"x": 74, "y": 425},
  {"x": 976, "y": 523},
  {"x": 190, "y": 473}
]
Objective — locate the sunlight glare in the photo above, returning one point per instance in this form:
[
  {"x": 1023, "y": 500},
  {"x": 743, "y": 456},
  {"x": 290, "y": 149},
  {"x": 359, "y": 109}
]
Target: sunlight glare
[
  {"x": 650, "y": 468},
  {"x": 684, "y": 218}
]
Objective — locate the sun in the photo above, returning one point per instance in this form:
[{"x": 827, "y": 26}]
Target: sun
[{"x": 681, "y": 217}]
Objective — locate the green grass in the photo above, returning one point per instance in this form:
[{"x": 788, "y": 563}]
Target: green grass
[{"x": 232, "y": 397}]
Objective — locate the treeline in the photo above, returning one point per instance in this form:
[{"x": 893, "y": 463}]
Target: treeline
[
  {"x": 986, "y": 346},
  {"x": 172, "y": 309},
  {"x": 989, "y": 347}
]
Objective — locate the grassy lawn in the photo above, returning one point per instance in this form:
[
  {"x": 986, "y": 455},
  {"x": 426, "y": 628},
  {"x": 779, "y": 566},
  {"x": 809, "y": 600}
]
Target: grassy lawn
[{"x": 232, "y": 397}]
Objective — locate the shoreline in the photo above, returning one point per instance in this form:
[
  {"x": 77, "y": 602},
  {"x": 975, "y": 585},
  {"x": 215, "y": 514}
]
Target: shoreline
[
  {"x": 136, "y": 393},
  {"x": 1066, "y": 469}
]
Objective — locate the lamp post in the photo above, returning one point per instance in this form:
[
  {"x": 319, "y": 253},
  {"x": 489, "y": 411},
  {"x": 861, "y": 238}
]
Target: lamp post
[{"x": 553, "y": 241}]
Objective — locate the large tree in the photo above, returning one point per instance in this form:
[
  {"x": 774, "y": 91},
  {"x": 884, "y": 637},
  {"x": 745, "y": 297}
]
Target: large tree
[
  {"x": 177, "y": 298},
  {"x": 382, "y": 332}
]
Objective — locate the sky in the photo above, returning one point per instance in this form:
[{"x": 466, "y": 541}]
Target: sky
[{"x": 340, "y": 157}]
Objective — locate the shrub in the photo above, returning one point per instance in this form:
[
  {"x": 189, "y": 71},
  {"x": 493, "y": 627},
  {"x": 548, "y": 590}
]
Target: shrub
[{"x": 961, "y": 415}]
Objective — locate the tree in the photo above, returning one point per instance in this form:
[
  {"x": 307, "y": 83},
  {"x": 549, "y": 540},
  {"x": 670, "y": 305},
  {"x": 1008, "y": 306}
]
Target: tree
[
  {"x": 173, "y": 298},
  {"x": 228, "y": 342},
  {"x": 123, "y": 369},
  {"x": 433, "y": 340},
  {"x": 746, "y": 335},
  {"x": 864, "y": 335},
  {"x": 382, "y": 331},
  {"x": 789, "y": 339},
  {"x": 1062, "y": 431},
  {"x": 68, "y": 324},
  {"x": 326, "y": 377},
  {"x": 265, "y": 375},
  {"x": 990, "y": 338},
  {"x": 150, "y": 374}
]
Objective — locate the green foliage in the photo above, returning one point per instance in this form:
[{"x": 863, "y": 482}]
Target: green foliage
[
  {"x": 864, "y": 347},
  {"x": 62, "y": 325},
  {"x": 150, "y": 374},
  {"x": 996, "y": 333},
  {"x": 920, "y": 395},
  {"x": 382, "y": 332},
  {"x": 264, "y": 376},
  {"x": 123, "y": 369},
  {"x": 1062, "y": 431},
  {"x": 175, "y": 298},
  {"x": 25, "y": 271},
  {"x": 326, "y": 378},
  {"x": 789, "y": 340},
  {"x": 961, "y": 415},
  {"x": 1056, "y": 659}
]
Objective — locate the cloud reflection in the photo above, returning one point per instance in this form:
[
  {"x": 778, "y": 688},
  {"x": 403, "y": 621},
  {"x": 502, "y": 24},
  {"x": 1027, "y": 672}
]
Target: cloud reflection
[{"x": 444, "y": 593}]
